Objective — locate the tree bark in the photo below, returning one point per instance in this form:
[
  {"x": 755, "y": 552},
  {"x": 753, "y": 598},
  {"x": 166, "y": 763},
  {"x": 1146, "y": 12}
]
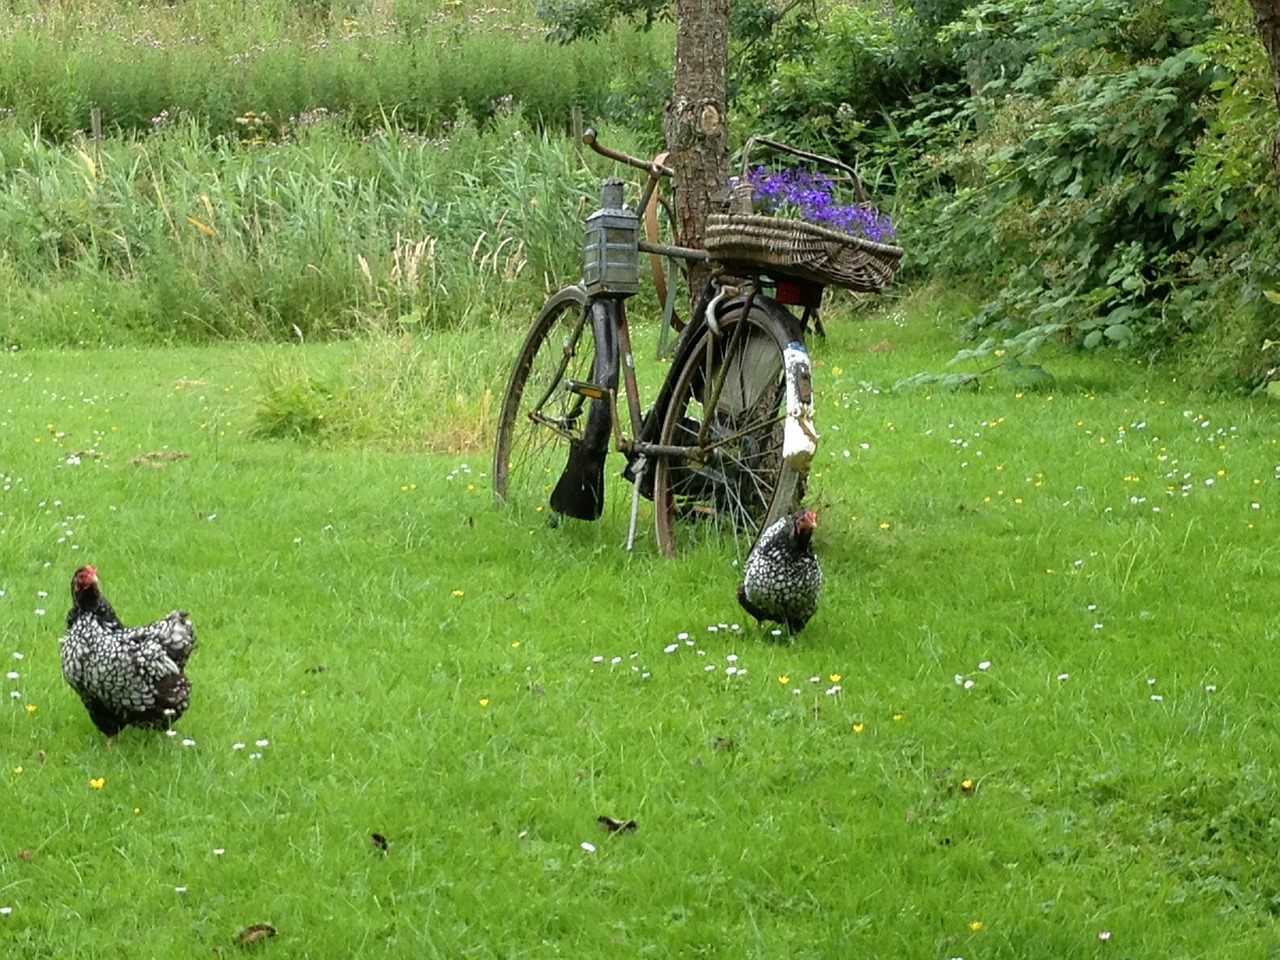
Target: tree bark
[
  {"x": 1267, "y": 15},
  {"x": 695, "y": 124}
]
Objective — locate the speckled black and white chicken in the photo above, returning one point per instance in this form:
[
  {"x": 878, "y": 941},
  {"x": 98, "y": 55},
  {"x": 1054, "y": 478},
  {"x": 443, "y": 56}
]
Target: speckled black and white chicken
[
  {"x": 782, "y": 578},
  {"x": 125, "y": 675}
]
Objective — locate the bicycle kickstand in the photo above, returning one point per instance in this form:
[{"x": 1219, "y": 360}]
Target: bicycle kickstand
[{"x": 642, "y": 464}]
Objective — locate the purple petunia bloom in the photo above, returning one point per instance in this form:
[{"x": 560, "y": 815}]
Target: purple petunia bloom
[{"x": 797, "y": 191}]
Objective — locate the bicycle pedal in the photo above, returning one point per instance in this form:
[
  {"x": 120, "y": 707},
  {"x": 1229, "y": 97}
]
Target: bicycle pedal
[{"x": 584, "y": 388}]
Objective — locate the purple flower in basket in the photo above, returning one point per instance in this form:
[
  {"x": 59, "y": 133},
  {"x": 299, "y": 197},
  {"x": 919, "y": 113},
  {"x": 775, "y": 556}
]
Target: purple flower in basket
[{"x": 809, "y": 195}]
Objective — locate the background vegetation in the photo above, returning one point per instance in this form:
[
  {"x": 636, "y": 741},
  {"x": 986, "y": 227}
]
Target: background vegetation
[
  {"x": 173, "y": 237},
  {"x": 1099, "y": 171}
]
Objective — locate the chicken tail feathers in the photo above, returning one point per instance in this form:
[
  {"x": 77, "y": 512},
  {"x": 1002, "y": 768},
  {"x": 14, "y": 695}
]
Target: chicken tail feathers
[
  {"x": 177, "y": 636},
  {"x": 750, "y": 607}
]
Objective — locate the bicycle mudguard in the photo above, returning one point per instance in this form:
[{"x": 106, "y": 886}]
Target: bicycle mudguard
[
  {"x": 799, "y": 438},
  {"x": 789, "y": 330},
  {"x": 579, "y": 492}
]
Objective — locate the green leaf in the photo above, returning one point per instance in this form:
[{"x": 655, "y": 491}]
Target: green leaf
[
  {"x": 1092, "y": 339},
  {"x": 1272, "y": 295},
  {"x": 951, "y": 381}
]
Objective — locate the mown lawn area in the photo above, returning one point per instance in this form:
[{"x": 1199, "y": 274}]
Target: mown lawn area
[{"x": 1034, "y": 717}]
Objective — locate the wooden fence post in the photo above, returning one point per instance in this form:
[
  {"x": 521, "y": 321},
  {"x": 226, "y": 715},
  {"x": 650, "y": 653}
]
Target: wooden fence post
[{"x": 95, "y": 133}]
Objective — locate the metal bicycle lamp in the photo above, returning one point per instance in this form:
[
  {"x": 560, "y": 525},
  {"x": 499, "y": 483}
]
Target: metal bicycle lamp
[{"x": 611, "y": 257}]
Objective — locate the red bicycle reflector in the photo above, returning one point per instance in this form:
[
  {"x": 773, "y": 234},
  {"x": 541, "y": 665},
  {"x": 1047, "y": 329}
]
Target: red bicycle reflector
[{"x": 799, "y": 293}]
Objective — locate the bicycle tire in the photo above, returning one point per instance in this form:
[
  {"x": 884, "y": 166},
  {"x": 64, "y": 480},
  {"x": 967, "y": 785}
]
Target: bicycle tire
[
  {"x": 539, "y": 419},
  {"x": 737, "y": 483}
]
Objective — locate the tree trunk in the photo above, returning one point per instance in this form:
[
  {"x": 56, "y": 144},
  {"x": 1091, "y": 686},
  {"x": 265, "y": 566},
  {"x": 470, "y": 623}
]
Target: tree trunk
[
  {"x": 695, "y": 124},
  {"x": 1267, "y": 15}
]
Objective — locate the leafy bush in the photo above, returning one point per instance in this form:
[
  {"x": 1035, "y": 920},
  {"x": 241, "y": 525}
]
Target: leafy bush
[
  {"x": 1063, "y": 192},
  {"x": 1227, "y": 192},
  {"x": 847, "y": 81}
]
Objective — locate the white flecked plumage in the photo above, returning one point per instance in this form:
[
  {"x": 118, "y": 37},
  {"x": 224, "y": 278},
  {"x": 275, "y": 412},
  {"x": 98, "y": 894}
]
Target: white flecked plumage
[
  {"x": 782, "y": 579},
  {"x": 124, "y": 675}
]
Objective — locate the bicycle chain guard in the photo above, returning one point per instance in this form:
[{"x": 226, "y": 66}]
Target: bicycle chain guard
[{"x": 579, "y": 492}]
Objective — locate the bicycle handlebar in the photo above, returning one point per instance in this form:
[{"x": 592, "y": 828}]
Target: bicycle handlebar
[{"x": 651, "y": 167}]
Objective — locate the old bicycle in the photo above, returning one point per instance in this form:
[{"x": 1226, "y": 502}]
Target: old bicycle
[{"x": 726, "y": 446}]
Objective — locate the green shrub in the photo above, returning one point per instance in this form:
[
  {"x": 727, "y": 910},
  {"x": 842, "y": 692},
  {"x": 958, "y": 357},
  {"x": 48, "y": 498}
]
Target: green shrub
[
  {"x": 1062, "y": 192},
  {"x": 1226, "y": 193}
]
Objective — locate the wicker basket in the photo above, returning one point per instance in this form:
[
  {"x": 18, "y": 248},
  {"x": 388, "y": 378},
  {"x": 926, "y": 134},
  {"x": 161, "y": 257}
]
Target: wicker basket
[
  {"x": 742, "y": 242},
  {"x": 755, "y": 243}
]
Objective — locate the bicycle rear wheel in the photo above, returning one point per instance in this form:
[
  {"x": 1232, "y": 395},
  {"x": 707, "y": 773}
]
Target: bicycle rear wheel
[
  {"x": 539, "y": 416},
  {"x": 728, "y": 410}
]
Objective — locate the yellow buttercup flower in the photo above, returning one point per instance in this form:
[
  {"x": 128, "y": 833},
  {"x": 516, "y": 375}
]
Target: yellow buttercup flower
[
  {"x": 484, "y": 701},
  {"x": 784, "y": 679},
  {"x": 32, "y": 708},
  {"x": 975, "y": 926},
  {"x": 859, "y": 727},
  {"x": 835, "y": 678},
  {"x": 98, "y": 783}
]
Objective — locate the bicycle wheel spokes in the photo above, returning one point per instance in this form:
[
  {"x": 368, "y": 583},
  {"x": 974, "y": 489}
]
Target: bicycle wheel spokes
[
  {"x": 728, "y": 409},
  {"x": 540, "y": 413}
]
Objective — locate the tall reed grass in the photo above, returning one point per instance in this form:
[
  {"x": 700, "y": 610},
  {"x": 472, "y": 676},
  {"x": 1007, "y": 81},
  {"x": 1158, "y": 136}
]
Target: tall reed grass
[
  {"x": 419, "y": 60},
  {"x": 290, "y": 169},
  {"x": 182, "y": 236}
]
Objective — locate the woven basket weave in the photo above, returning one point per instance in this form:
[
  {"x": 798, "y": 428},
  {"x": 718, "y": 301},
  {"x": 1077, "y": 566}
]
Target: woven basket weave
[{"x": 755, "y": 243}]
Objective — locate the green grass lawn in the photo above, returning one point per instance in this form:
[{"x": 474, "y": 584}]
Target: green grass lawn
[{"x": 1034, "y": 717}]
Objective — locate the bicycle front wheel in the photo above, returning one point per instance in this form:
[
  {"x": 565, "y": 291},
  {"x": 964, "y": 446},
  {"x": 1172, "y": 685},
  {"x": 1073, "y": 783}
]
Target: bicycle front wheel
[
  {"x": 727, "y": 410},
  {"x": 540, "y": 417}
]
